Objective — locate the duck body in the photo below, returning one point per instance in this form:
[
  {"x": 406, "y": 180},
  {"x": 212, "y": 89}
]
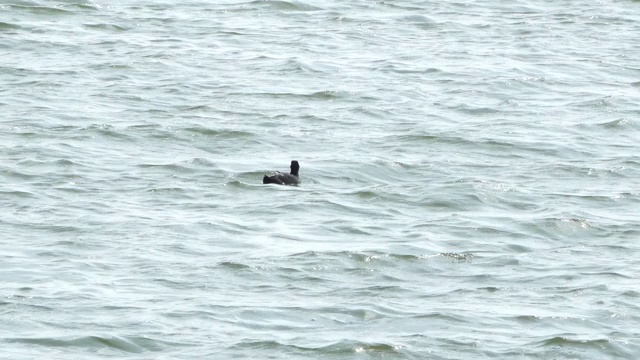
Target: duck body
[{"x": 284, "y": 179}]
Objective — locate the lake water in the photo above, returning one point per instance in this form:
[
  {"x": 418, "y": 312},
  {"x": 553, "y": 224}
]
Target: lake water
[{"x": 470, "y": 179}]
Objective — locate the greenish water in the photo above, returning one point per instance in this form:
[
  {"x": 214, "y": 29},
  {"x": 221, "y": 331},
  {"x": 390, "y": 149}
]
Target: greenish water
[{"x": 470, "y": 180}]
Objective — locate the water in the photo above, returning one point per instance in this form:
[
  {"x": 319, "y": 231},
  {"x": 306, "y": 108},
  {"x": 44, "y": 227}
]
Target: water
[{"x": 471, "y": 180}]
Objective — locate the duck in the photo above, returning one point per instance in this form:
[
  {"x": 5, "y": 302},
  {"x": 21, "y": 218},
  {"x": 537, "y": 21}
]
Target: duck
[{"x": 284, "y": 179}]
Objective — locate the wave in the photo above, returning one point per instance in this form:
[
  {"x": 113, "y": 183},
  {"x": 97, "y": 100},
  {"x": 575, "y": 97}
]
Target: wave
[
  {"x": 286, "y": 5},
  {"x": 41, "y": 10},
  {"x": 5, "y": 26},
  {"x": 131, "y": 344},
  {"x": 344, "y": 347}
]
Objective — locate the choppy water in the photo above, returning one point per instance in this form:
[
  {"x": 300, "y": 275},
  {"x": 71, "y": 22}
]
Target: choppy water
[{"x": 471, "y": 179}]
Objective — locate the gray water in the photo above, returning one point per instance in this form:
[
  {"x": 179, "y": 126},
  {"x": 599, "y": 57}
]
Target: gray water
[{"x": 470, "y": 179}]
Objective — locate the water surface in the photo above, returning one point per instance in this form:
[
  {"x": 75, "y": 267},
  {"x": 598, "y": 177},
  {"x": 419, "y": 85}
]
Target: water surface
[{"x": 471, "y": 179}]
